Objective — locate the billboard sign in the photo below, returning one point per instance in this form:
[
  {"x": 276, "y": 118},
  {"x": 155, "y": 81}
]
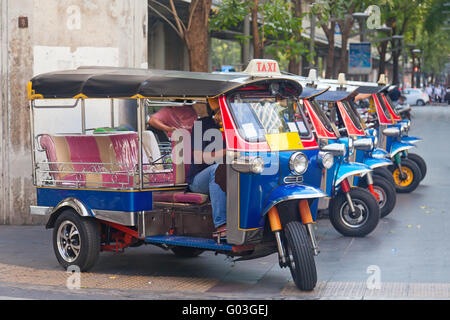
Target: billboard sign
[{"x": 360, "y": 59}]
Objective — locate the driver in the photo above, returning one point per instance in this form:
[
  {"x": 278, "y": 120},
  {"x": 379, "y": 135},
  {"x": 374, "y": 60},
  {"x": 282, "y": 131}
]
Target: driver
[{"x": 208, "y": 151}]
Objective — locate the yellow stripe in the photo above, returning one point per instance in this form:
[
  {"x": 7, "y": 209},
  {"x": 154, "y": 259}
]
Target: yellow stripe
[{"x": 284, "y": 141}]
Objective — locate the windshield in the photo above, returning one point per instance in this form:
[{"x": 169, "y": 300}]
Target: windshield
[
  {"x": 353, "y": 116},
  {"x": 352, "y": 105},
  {"x": 323, "y": 118},
  {"x": 391, "y": 104},
  {"x": 258, "y": 113},
  {"x": 383, "y": 106}
]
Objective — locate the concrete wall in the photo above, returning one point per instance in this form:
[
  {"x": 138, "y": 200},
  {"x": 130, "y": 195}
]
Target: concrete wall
[{"x": 61, "y": 34}]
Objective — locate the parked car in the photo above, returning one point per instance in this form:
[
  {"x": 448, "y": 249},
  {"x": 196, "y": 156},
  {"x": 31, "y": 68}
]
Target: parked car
[{"x": 416, "y": 97}]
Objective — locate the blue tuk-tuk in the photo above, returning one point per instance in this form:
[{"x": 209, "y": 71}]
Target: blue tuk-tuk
[
  {"x": 350, "y": 124},
  {"x": 106, "y": 190},
  {"x": 352, "y": 210},
  {"x": 409, "y": 168}
]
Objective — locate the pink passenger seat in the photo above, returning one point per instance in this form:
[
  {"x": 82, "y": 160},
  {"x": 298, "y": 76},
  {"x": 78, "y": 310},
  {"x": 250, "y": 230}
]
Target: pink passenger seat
[
  {"x": 98, "y": 161},
  {"x": 110, "y": 161}
]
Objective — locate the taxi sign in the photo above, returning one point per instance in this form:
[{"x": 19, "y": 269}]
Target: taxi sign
[{"x": 263, "y": 68}]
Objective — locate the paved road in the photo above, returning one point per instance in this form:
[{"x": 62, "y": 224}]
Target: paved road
[{"x": 408, "y": 252}]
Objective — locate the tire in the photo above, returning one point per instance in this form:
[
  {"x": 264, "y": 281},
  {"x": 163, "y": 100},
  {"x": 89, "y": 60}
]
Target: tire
[
  {"x": 413, "y": 179},
  {"x": 420, "y": 163},
  {"x": 385, "y": 173},
  {"x": 300, "y": 254},
  {"x": 386, "y": 192},
  {"x": 420, "y": 102},
  {"x": 186, "y": 252},
  {"x": 365, "y": 204},
  {"x": 83, "y": 233}
]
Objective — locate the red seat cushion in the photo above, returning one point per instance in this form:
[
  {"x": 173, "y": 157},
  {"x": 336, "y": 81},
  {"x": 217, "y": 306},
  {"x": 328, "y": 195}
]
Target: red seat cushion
[{"x": 181, "y": 197}]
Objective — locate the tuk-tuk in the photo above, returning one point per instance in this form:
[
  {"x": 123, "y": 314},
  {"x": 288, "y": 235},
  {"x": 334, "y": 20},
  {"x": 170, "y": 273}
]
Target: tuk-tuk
[
  {"x": 392, "y": 137},
  {"x": 353, "y": 211},
  {"x": 350, "y": 124},
  {"x": 107, "y": 191}
]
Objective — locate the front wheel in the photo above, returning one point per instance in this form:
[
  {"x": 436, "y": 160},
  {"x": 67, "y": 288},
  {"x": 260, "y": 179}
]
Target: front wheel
[
  {"x": 420, "y": 163},
  {"x": 76, "y": 240},
  {"x": 407, "y": 180},
  {"x": 385, "y": 173},
  {"x": 300, "y": 256},
  {"x": 387, "y": 197},
  {"x": 359, "y": 223}
]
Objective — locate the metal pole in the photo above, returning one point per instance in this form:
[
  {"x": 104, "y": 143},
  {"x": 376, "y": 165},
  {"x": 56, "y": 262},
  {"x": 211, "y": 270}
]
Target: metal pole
[
  {"x": 33, "y": 154},
  {"x": 112, "y": 113},
  {"x": 140, "y": 117},
  {"x": 83, "y": 116}
]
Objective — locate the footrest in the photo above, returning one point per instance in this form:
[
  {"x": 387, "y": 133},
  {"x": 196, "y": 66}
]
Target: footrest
[{"x": 201, "y": 243}]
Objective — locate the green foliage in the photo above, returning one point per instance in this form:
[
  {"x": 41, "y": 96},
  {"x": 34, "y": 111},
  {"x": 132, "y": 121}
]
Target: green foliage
[{"x": 280, "y": 30}]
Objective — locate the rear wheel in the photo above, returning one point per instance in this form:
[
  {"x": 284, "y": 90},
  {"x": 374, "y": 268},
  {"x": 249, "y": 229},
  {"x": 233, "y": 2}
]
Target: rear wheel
[
  {"x": 420, "y": 102},
  {"x": 420, "y": 163},
  {"x": 360, "y": 223},
  {"x": 186, "y": 252},
  {"x": 76, "y": 240},
  {"x": 407, "y": 180},
  {"x": 300, "y": 255}
]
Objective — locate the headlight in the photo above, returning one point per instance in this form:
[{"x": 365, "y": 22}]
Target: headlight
[
  {"x": 298, "y": 163},
  {"x": 391, "y": 132},
  {"x": 248, "y": 164},
  {"x": 326, "y": 159},
  {"x": 365, "y": 144},
  {"x": 257, "y": 165}
]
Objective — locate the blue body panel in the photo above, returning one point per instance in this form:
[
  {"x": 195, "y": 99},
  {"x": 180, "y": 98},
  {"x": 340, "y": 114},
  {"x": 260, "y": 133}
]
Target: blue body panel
[
  {"x": 113, "y": 200},
  {"x": 255, "y": 190}
]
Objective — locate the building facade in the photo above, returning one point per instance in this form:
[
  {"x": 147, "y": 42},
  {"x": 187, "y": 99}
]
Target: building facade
[{"x": 38, "y": 36}]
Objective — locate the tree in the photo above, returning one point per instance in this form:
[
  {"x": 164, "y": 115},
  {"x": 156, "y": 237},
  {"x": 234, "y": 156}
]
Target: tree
[
  {"x": 276, "y": 26},
  {"x": 399, "y": 14},
  {"x": 329, "y": 14},
  {"x": 195, "y": 34}
]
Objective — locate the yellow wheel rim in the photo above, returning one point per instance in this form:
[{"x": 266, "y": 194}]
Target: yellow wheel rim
[{"x": 409, "y": 177}]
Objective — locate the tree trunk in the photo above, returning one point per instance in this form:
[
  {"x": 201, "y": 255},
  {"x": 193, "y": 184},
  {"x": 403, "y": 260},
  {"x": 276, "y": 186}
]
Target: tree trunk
[
  {"x": 329, "y": 32},
  {"x": 346, "y": 27},
  {"x": 395, "y": 64},
  {"x": 382, "y": 65},
  {"x": 197, "y": 36},
  {"x": 295, "y": 62},
  {"x": 257, "y": 44}
]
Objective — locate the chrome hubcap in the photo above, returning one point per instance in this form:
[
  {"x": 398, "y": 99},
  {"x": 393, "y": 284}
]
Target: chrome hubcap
[
  {"x": 68, "y": 241},
  {"x": 354, "y": 220}
]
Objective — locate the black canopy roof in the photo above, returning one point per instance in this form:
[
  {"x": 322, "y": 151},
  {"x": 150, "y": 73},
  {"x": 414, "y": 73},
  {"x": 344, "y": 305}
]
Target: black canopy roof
[
  {"x": 309, "y": 93},
  {"x": 371, "y": 89},
  {"x": 109, "y": 82},
  {"x": 338, "y": 95}
]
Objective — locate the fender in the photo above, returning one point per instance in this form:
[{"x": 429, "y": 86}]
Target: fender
[
  {"x": 376, "y": 163},
  {"x": 350, "y": 169},
  {"x": 73, "y": 203},
  {"x": 291, "y": 192},
  {"x": 410, "y": 139},
  {"x": 399, "y": 147},
  {"x": 380, "y": 153}
]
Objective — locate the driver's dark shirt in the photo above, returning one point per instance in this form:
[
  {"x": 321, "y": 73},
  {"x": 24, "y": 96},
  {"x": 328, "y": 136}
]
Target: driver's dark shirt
[{"x": 206, "y": 124}]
